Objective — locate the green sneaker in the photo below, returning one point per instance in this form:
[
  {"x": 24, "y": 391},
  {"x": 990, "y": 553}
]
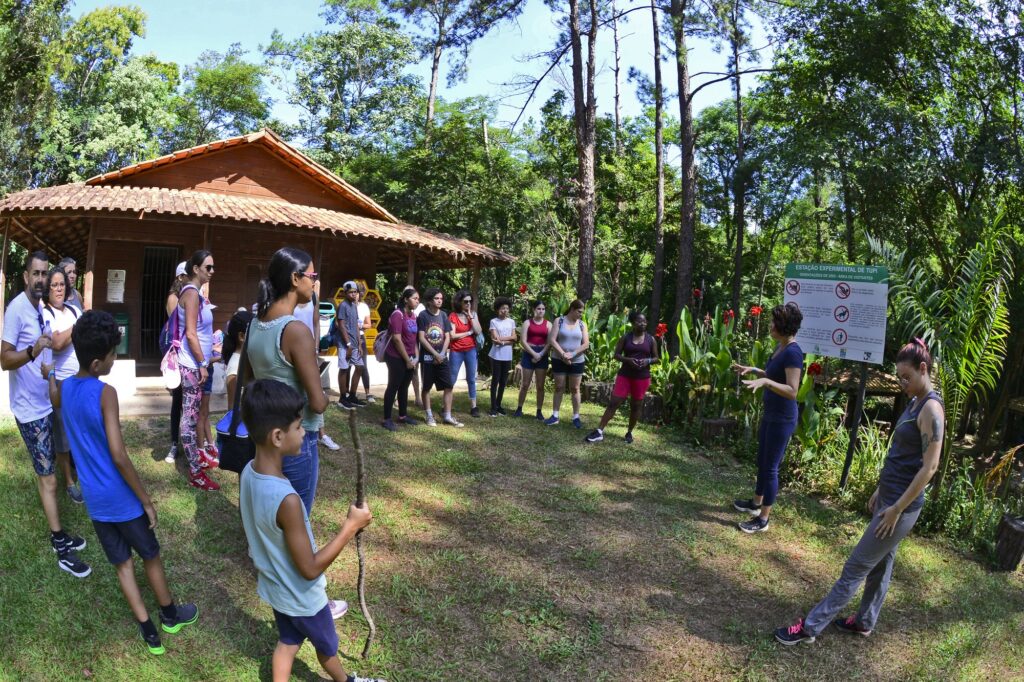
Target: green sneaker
[
  {"x": 186, "y": 615},
  {"x": 153, "y": 644}
]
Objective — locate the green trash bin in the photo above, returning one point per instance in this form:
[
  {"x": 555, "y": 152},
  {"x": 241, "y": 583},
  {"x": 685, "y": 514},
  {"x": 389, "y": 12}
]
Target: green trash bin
[{"x": 123, "y": 324}]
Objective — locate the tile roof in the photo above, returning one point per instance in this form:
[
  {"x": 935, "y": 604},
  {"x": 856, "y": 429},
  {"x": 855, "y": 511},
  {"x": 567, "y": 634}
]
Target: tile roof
[
  {"x": 139, "y": 202},
  {"x": 273, "y": 142}
]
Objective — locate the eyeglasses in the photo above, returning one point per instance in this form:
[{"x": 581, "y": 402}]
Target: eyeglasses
[
  {"x": 466, "y": 300},
  {"x": 209, "y": 268},
  {"x": 312, "y": 276}
]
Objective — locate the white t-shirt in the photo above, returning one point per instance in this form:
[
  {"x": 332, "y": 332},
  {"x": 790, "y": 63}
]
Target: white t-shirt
[
  {"x": 65, "y": 362},
  {"x": 305, "y": 312},
  {"x": 363, "y": 310},
  {"x": 505, "y": 327},
  {"x": 30, "y": 393},
  {"x": 232, "y": 366}
]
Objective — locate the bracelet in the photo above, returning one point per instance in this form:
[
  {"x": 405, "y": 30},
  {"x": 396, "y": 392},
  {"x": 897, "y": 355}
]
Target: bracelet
[{"x": 52, "y": 374}]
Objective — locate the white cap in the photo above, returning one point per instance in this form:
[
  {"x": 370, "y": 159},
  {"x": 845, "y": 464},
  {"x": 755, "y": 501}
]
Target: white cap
[{"x": 180, "y": 270}]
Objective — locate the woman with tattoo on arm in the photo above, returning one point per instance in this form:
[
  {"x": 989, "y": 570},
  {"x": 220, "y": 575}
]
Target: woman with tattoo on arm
[{"x": 895, "y": 505}]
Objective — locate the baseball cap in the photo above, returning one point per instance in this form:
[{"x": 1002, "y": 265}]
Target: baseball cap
[
  {"x": 350, "y": 286},
  {"x": 180, "y": 270}
]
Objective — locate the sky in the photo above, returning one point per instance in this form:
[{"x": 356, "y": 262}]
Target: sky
[{"x": 180, "y": 30}]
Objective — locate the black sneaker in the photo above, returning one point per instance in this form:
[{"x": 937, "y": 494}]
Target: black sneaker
[
  {"x": 850, "y": 625},
  {"x": 628, "y": 438},
  {"x": 474, "y": 412},
  {"x": 794, "y": 634},
  {"x": 153, "y": 644},
  {"x": 747, "y": 506},
  {"x": 754, "y": 525},
  {"x": 67, "y": 543},
  {"x": 356, "y": 402},
  {"x": 501, "y": 411},
  {"x": 595, "y": 436},
  {"x": 186, "y": 615},
  {"x": 492, "y": 413},
  {"x": 518, "y": 412},
  {"x": 540, "y": 416},
  {"x": 345, "y": 404},
  {"x": 408, "y": 421},
  {"x": 69, "y": 561},
  {"x": 389, "y": 425}
]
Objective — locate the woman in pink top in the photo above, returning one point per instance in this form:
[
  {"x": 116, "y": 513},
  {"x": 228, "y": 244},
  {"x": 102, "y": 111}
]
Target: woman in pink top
[
  {"x": 534, "y": 341},
  {"x": 401, "y": 358}
]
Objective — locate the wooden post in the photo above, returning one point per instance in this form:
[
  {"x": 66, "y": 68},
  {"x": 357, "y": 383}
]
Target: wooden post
[
  {"x": 859, "y": 407},
  {"x": 474, "y": 287},
  {"x": 411, "y": 278},
  {"x": 206, "y": 246},
  {"x": 1009, "y": 543},
  {"x": 90, "y": 264},
  {"x": 3, "y": 274}
]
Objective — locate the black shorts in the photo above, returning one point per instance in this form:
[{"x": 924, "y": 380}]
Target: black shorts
[
  {"x": 527, "y": 361},
  {"x": 559, "y": 367},
  {"x": 318, "y": 629},
  {"x": 435, "y": 374},
  {"x": 120, "y": 538}
]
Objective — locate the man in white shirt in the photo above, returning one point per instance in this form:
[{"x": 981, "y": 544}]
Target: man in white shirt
[{"x": 22, "y": 344}]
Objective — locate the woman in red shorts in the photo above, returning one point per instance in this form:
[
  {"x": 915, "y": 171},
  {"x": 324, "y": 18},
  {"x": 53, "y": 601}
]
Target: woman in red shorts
[{"x": 636, "y": 351}]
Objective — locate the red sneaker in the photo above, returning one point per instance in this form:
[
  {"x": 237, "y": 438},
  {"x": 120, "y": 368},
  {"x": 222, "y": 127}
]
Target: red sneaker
[
  {"x": 209, "y": 459},
  {"x": 202, "y": 481}
]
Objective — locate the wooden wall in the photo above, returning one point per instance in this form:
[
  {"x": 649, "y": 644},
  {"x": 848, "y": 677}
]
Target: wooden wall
[
  {"x": 248, "y": 170},
  {"x": 241, "y": 256}
]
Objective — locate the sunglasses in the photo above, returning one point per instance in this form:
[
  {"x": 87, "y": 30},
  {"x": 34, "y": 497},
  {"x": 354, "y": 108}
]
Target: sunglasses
[
  {"x": 312, "y": 276},
  {"x": 209, "y": 268},
  {"x": 466, "y": 300}
]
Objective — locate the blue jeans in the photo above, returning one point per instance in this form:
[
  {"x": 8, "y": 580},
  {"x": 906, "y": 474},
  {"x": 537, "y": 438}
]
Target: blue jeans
[
  {"x": 468, "y": 357},
  {"x": 772, "y": 439},
  {"x": 303, "y": 469}
]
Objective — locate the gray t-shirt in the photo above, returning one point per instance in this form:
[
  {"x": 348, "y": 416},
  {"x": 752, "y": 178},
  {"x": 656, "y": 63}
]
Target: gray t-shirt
[{"x": 348, "y": 317}]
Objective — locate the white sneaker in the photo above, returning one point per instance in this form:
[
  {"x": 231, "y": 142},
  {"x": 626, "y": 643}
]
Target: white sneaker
[
  {"x": 172, "y": 454},
  {"x": 339, "y": 607},
  {"x": 370, "y": 398},
  {"x": 451, "y": 421},
  {"x": 329, "y": 442},
  {"x": 430, "y": 420}
]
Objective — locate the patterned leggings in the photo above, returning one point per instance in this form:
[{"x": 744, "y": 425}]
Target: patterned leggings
[{"x": 191, "y": 397}]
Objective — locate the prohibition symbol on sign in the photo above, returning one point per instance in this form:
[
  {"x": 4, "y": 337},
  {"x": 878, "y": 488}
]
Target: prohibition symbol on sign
[
  {"x": 843, "y": 290},
  {"x": 793, "y": 287},
  {"x": 841, "y": 313},
  {"x": 839, "y": 337}
]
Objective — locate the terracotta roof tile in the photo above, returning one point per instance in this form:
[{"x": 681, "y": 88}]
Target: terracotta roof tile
[{"x": 160, "y": 201}]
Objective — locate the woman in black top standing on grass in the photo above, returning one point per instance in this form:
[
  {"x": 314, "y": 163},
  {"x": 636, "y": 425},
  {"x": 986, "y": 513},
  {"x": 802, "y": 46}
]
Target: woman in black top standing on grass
[{"x": 637, "y": 351}]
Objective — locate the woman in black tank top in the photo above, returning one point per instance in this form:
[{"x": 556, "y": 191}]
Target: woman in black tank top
[
  {"x": 637, "y": 351},
  {"x": 912, "y": 460}
]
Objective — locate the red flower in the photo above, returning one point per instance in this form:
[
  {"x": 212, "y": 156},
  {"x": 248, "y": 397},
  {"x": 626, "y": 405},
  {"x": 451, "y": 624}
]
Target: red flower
[
  {"x": 661, "y": 330},
  {"x": 756, "y": 311},
  {"x": 696, "y": 293},
  {"x": 814, "y": 369},
  {"x": 522, "y": 289},
  {"x": 728, "y": 316}
]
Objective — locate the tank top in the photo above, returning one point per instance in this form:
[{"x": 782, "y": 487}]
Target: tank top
[
  {"x": 268, "y": 362},
  {"x": 278, "y": 581},
  {"x": 459, "y": 327},
  {"x": 643, "y": 351},
  {"x": 108, "y": 496},
  {"x": 570, "y": 337},
  {"x": 536, "y": 334},
  {"x": 905, "y": 458},
  {"x": 204, "y": 330}
]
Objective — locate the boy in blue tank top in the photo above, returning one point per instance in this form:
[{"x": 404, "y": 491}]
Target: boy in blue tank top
[
  {"x": 290, "y": 570},
  {"x": 121, "y": 510}
]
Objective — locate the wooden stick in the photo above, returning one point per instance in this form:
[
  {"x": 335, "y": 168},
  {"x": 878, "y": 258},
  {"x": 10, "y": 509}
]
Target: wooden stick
[{"x": 360, "y": 498}]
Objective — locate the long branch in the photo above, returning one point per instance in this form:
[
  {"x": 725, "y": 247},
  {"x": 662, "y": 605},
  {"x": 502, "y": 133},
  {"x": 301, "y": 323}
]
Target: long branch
[{"x": 360, "y": 498}]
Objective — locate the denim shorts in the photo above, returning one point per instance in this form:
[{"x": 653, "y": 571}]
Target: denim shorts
[
  {"x": 527, "y": 361},
  {"x": 318, "y": 629},
  {"x": 120, "y": 538},
  {"x": 38, "y": 437}
]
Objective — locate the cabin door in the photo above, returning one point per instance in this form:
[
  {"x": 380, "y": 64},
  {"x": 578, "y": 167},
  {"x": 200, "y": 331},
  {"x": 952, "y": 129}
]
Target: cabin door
[{"x": 158, "y": 265}]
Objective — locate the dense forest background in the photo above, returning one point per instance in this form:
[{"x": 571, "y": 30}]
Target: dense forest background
[{"x": 863, "y": 131}]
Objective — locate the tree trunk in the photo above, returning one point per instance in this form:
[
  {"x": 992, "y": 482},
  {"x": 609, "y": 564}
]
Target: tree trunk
[
  {"x": 739, "y": 181},
  {"x": 816, "y": 199},
  {"x": 684, "y": 273},
  {"x": 585, "y": 107},
  {"x": 435, "y": 68},
  {"x": 1007, "y": 389},
  {"x": 848, "y": 211},
  {"x": 659, "y": 190},
  {"x": 616, "y": 69}
]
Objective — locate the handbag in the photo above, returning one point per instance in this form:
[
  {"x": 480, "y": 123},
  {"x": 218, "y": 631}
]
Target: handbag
[
  {"x": 236, "y": 448},
  {"x": 170, "y": 343}
]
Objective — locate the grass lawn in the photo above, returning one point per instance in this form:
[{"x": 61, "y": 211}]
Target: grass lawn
[{"x": 506, "y": 551}]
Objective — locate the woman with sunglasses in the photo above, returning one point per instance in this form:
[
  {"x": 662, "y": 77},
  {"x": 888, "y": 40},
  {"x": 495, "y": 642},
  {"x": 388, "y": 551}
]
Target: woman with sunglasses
[
  {"x": 465, "y": 328},
  {"x": 281, "y": 348},
  {"x": 195, "y": 318},
  {"x": 61, "y": 317}
]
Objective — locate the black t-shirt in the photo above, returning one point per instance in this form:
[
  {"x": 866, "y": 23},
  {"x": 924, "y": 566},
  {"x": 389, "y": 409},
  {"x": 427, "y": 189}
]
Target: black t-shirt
[{"x": 434, "y": 328}]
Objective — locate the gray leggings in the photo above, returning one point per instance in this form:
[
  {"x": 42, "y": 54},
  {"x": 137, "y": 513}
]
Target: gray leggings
[{"x": 870, "y": 563}]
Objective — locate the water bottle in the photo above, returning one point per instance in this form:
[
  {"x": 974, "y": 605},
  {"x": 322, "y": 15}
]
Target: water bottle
[{"x": 46, "y": 356}]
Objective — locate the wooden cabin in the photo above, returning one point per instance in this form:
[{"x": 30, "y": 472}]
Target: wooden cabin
[{"x": 242, "y": 198}]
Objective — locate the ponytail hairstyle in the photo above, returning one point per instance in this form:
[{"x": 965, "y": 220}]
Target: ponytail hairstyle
[
  {"x": 577, "y": 304},
  {"x": 285, "y": 262},
  {"x": 787, "y": 318},
  {"x": 196, "y": 261},
  {"x": 633, "y": 314},
  {"x": 533, "y": 308},
  {"x": 238, "y": 324},
  {"x": 406, "y": 295},
  {"x": 914, "y": 353}
]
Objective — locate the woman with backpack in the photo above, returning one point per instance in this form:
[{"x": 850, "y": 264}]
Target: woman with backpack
[
  {"x": 61, "y": 317},
  {"x": 401, "y": 357},
  {"x": 569, "y": 341}
]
